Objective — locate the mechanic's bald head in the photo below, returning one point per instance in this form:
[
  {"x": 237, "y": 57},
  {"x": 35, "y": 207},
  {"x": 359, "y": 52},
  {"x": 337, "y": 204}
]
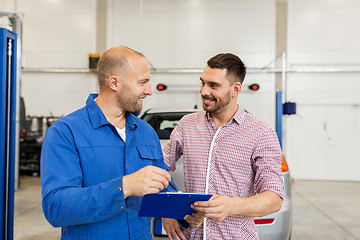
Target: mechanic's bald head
[{"x": 114, "y": 62}]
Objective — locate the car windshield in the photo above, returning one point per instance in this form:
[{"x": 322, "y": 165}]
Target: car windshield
[{"x": 163, "y": 123}]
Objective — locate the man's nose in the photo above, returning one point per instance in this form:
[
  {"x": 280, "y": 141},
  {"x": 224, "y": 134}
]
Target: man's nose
[
  {"x": 204, "y": 91},
  {"x": 148, "y": 90}
]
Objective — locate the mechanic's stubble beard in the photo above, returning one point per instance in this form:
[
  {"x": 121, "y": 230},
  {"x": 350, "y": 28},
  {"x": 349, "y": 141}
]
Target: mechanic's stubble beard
[{"x": 129, "y": 101}]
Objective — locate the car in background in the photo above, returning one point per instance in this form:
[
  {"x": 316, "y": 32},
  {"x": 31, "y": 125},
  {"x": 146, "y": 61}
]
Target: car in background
[{"x": 276, "y": 226}]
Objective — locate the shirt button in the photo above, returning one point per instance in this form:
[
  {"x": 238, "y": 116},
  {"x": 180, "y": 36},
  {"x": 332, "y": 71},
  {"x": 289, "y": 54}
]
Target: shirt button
[
  {"x": 121, "y": 207},
  {"x": 119, "y": 189}
]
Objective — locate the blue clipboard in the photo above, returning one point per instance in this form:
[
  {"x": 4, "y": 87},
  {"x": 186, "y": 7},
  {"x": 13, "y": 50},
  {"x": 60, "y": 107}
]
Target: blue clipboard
[{"x": 170, "y": 204}]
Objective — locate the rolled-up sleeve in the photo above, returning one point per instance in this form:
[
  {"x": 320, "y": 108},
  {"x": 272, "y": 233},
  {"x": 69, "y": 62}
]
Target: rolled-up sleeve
[
  {"x": 174, "y": 147},
  {"x": 267, "y": 164}
]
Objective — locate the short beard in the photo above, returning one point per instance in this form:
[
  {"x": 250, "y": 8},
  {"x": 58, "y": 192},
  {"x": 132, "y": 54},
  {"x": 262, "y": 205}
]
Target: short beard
[
  {"x": 218, "y": 104},
  {"x": 126, "y": 102}
]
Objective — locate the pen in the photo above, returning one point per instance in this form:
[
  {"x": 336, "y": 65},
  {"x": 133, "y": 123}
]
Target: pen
[{"x": 173, "y": 186}]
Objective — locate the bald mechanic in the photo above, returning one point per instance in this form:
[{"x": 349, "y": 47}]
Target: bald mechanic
[{"x": 98, "y": 162}]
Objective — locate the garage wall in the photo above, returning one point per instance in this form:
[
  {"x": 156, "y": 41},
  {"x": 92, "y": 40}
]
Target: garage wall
[
  {"x": 186, "y": 33},
  {"x": 323, "y": 138},
  {"x": 7, "y": 5},
  {"x": 56, "y": 34}
]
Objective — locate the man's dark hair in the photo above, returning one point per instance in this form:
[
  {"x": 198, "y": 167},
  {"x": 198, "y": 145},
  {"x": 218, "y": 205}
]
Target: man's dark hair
[{"x": 235, "y": 68}]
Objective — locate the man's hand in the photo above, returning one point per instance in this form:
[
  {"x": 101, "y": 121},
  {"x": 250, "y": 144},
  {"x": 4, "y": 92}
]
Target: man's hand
[
  {"x": 149, "y": 179},
  {"x": 218, "y": 208},
  {"x": 195, "y": 219},
  {"x": 172, "y": 229}
]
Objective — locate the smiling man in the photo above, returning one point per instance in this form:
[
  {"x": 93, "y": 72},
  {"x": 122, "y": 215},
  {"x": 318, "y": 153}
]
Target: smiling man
[
  {"x": 98, "y": 162},
  {"x": 227, "y": 153}
]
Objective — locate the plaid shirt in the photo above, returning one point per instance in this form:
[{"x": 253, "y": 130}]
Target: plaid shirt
[{"x": 241, "y": 159}]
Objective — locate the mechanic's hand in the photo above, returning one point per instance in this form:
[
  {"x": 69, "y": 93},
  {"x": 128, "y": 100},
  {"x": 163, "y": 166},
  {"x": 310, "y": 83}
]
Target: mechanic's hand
[
  {"x": 218, "y": 208},
  {"x": 149, "y": 179},
  {"x": 172, "y": 229},
  {"x": 195, "y": 219}
]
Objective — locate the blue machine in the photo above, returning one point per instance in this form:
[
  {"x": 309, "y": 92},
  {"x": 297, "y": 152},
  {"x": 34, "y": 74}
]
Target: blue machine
[
  {"x": 279, "y": 113},
  {"x": 287, "y": 108},
  {"x": 8, "y": 46}
]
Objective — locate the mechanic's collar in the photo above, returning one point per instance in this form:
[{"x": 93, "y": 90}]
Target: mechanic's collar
[
  {"x": 130, "y": 121},
  {"x": 98, "y": 118}
]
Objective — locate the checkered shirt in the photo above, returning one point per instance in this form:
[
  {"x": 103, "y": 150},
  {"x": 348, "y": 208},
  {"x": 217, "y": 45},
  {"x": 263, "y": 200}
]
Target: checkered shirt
[{"x": 245, "y": 160}]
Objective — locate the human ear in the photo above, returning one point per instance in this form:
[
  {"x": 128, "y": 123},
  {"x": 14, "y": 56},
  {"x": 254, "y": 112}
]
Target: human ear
[
  {"x": 114, "y": 82},
  {"x": 236, "y": 88}
]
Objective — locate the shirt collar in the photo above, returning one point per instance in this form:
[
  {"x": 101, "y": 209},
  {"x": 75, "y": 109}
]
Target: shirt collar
[
  {"x": 98, "y": 118},
  {"x": 131, "y": 121},
  {"x": 238, "y": 116}
]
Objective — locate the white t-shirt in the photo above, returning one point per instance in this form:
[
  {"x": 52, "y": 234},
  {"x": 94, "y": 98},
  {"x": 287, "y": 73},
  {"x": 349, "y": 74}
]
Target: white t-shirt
[{"x": 122, "y": 133}]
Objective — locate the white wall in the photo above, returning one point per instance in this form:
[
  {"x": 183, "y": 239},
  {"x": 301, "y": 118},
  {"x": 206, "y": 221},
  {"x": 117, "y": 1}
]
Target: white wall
[
  {"x": 57, "y": 34},
  {"x": 323, "y": 138},
  {"x": 7, "y": 5},
  {"x": 186, "y": 33}
]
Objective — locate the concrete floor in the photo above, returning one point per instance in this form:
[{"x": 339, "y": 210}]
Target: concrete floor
[{"x": 321, "y": 210}]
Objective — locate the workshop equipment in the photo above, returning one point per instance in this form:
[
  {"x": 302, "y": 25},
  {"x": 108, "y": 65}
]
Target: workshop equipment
[{"x": 8, "y": 61}]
